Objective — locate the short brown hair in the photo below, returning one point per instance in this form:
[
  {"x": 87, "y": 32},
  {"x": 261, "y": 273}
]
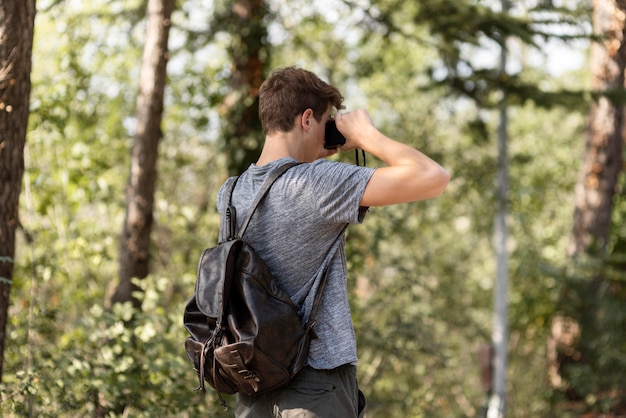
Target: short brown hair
[{"x": 288, "y": 92}]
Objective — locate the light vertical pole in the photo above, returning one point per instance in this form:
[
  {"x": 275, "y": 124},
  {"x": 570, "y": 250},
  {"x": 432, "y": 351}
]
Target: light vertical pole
[{"x": 497, "y": 400}]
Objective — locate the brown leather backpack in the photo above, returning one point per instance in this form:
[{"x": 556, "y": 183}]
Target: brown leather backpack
[{"x": 246, "y": 335}]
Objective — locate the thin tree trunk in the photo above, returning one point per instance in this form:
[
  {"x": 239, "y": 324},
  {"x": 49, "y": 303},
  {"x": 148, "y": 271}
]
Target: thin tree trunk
[
  {"x": 17, "y": 20},
  {"x": 135, "y": 240}
]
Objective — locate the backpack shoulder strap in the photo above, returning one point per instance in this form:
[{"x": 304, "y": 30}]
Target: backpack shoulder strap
[
  {"x": 265, "y": 187},
  {"x": 310, "y": 322}
]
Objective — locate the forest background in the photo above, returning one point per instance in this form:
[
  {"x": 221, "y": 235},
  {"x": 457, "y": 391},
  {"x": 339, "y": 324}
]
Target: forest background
[{"x": 77, "y": 343}]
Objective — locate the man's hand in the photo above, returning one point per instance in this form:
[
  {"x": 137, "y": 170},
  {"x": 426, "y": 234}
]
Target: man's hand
[{"x": 357, "y": 127}]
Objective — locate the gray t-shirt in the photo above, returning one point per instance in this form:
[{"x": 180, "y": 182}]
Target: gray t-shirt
[{"x": 294, "y": 228}]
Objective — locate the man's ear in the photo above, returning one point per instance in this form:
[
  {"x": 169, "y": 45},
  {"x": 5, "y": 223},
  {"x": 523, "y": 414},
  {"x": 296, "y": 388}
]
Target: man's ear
[{"x": 307, "y": 119}]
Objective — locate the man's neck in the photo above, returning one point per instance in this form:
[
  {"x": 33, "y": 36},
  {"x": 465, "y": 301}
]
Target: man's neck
[{"x": 277, "y": 146}]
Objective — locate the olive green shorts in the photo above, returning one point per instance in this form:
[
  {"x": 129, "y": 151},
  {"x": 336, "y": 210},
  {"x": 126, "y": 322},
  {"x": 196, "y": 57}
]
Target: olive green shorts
[{"x": 311, "y": 394}]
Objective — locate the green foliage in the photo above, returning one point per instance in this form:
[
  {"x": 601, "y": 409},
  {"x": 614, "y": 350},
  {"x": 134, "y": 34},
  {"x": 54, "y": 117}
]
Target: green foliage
[
  {"x": 118, "y": 362},
  {"x": 459, "y": 32},
  {"x": 421, "y": 274}
]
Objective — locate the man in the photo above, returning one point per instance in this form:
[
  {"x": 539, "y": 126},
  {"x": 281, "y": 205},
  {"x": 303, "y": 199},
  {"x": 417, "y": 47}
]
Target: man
[{"x": 302, "y": 216}]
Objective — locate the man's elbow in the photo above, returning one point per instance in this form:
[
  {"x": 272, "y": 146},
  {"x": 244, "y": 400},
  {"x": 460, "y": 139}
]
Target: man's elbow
[
  {"x": 438, "y": 181},
  {"x": 432, "y": 185},
  {"x": 443, "y": 178}
]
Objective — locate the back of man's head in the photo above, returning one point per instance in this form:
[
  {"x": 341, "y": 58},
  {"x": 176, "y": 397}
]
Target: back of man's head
[{"x": 288, "y": 92}]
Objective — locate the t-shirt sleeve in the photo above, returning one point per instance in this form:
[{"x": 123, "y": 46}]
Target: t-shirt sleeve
[
  {"x": 219, "y": 204},
  {"x": 338, "y": 188}
]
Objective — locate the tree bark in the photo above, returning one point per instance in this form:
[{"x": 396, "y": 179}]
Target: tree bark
[
  {"x": 135, "y": 240},
  {"x": 17, "y": 20},
  {"x": 605, "y": 136}
]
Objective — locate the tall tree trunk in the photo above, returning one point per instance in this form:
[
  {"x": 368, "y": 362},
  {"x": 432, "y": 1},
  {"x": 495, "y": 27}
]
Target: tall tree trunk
[
  {"x": 603, "y": 152},
  {"x": 242, "y": 132},
  {"x": 577, "y": 326},
  {"x": 135, "y": 240},
  {"x": 17, "y": 20}
]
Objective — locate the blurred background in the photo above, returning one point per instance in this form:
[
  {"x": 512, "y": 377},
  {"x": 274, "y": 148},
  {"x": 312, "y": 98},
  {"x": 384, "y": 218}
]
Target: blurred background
[{"x": 123, "y": 156}]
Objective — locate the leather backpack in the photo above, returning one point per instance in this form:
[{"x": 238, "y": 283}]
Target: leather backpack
[{"x": 245, "y": 332}]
